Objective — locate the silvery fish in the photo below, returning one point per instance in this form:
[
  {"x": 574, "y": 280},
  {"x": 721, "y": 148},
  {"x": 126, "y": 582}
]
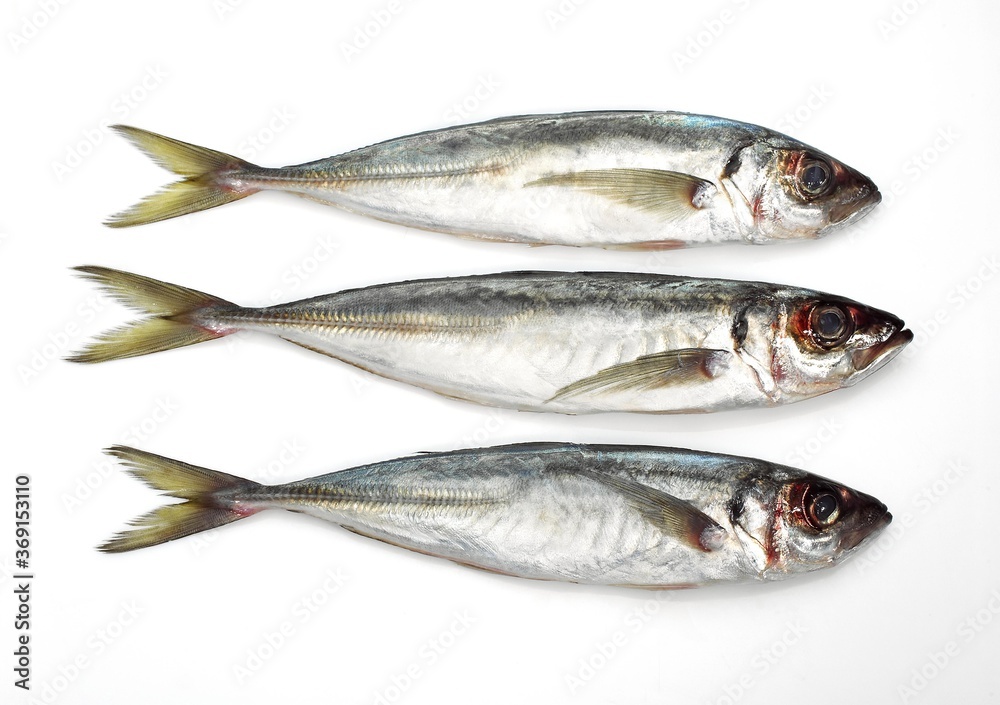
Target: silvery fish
[
  {"x": 631, "y": 516},
  {"x": 571, "y": 343},
  {"x": 648, "y": 180}
]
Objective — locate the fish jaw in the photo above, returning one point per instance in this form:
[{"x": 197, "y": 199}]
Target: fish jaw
[
  {"x": 883, "y": 337},
  {"x": 851, "y": 212},
  {"x": 870, "y": 360},
  {"x": 854, "y": 196},
  {"x": 853, "y": 540}
]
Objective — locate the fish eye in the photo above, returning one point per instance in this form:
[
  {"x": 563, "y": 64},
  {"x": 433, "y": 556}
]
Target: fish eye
[
  {"x": 814, "y": 177},
  {"x": 822, "y": 509},
  {"x": 831, "y": 325}
]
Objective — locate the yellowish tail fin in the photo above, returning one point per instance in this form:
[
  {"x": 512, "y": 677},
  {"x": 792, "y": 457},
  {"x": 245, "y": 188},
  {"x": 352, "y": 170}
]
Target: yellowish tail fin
[
  {"x": 211, "y": 499},
  {"x": 177, "y": 316},
  {"x": 210, "y": 179}
]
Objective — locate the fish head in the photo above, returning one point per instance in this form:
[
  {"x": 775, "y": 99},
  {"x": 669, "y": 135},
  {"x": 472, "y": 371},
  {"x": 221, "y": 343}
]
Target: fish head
[
  {"x": 818, "y": 523},
  {"x": 822, "y": 342},
  {"x": 801, "y": 192}
]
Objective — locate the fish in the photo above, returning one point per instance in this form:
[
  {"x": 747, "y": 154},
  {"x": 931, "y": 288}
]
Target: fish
[
  {"x": 619, "y": 180},
  {"x": 630, "y": 516},
  {"x": 571, "y": 343}
]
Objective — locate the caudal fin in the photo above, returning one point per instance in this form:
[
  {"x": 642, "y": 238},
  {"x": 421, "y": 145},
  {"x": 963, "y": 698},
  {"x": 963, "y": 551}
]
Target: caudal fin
[
  {"x": 211, "y": 499},
  {"x": 210, "y": 179},
  {"x": 175, "y": 316}
]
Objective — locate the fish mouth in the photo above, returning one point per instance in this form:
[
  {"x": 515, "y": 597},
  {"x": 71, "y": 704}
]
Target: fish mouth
[
  {"x": 876, "y": 356},
  {"x": 854, "y": 210},
  {"x": 878, "y": 520}
]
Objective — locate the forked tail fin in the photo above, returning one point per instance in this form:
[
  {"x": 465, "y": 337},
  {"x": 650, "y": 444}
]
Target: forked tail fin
[
  {"x": 211, "y": 499},
  {"x": 176, "y": 316},
  {"x": 210, "y": 179}
]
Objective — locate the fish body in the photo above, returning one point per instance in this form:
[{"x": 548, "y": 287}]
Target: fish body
[
  {"x": 551, "y": 341},
  {"x": 614, "y": 515},
  {"x": 608, "y": 179}
]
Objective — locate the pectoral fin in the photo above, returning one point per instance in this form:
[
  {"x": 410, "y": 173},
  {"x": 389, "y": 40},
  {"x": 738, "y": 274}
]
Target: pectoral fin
[
  {"x": 675, "y": 517},
  {"x": 650, "y": 372},
  {"x": 668, "y": 194}
]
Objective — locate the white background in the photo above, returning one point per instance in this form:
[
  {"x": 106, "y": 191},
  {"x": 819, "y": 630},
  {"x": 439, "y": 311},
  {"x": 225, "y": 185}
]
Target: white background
[{"x": 905, "y": 92}]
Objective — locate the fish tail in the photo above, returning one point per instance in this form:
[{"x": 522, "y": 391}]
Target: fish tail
[
  {"x": 211, "y": 499},
  {"x": 210, "y": 179},
  {"x": 177, "y": 316}
]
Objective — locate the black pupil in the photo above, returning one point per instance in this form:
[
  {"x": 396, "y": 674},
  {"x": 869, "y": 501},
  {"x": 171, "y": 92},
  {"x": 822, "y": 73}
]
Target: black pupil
[
  {"x": 824, "y": 506},
  {"x": 814, "y": 177},
  {"x": 831, "y": 323}
]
